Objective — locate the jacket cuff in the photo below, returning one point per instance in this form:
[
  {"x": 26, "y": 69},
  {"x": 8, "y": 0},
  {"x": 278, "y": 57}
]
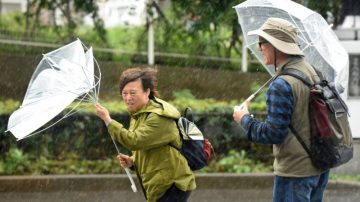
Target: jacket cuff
[
  {"x": 245, "y": 121},
  {"x": 107, "y": 124}
]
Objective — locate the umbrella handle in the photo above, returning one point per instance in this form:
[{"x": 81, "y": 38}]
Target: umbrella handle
[
  {"x": 133, "y": 186},
  {"x": 239, "y": 107}
]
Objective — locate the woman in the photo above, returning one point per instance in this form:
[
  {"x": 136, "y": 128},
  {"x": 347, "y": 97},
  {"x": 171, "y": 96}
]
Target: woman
[{"x": 163, "y": 171}]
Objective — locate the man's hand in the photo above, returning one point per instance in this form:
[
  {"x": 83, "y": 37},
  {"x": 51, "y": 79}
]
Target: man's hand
[
  {"x": 103, "y": 113},
  {"x": 125, "y": 160},
  {"x": 240, "y": 111}
]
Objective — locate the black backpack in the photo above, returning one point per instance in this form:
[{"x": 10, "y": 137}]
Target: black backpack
[
  {"x": 331, "y": 142},
  {"x": 195, "y": 148}
]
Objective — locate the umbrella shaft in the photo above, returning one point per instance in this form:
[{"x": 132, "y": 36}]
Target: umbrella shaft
[
  {"x": 260, "y": 89},
  {"x": 133, "y": 186},
  {"x": 117, "y": 149}
]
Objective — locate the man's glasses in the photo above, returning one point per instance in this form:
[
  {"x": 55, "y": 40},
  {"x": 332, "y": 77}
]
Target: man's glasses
[{"x": 262, "y": 42}]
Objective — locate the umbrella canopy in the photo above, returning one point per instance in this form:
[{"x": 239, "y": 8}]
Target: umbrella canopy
[
  {"x": 316, "y": 39},
  {"x": 62, "y": 76}
]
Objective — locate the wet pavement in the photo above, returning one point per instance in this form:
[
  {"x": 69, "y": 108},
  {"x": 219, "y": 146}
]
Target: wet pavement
[{"x": 104, "y": 188}]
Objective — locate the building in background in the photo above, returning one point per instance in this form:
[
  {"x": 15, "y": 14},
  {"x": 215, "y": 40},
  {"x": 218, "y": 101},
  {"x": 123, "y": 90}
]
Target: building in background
[
  {"x": 8, "y": 6},
  {"x": 348, "y": 33},
  {"x": 121, "y": 13},
  {"x": 113, "y": 12}
]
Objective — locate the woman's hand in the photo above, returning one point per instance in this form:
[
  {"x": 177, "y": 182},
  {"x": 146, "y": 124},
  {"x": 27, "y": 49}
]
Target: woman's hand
[
  {"x": 125, "y": 160},
  {"x": 103, "y": 113}
]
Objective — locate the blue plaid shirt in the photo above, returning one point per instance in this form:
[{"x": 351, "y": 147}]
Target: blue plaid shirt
[{"x": 279, "y": 104}]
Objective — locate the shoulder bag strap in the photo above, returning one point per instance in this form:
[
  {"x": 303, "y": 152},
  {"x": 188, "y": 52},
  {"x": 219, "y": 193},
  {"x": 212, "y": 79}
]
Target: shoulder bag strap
[
  {"x": 297, "y": 74},
  {"x": 302, "y": 77},
  {"x": 300, "y": 139}
]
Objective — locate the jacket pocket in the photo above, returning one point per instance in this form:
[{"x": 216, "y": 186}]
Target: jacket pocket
[{"x": 156, "y": 177}]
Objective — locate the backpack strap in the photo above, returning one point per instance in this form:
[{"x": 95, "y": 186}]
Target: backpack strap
[
  {"x": 296, "y": 134},
  {"x": 305, "y": 79},
  {"x": 181, "y": 137},
  {"x": 189, "y": 114},
  {"x": 297, "y": 74}
]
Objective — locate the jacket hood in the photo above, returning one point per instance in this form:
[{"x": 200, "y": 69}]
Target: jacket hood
[{"x": 160, "y": 107}]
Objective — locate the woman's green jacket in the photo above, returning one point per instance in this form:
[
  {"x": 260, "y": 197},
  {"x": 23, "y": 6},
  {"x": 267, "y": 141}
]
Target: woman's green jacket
[{"x": 152, "y": 130}]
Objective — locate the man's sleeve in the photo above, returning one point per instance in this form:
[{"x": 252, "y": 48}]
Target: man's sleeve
[{"x": 279, "y": 104}]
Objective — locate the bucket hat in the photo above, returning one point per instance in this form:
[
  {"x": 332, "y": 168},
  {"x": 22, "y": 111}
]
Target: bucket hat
[{"x": 281, "y": 34}]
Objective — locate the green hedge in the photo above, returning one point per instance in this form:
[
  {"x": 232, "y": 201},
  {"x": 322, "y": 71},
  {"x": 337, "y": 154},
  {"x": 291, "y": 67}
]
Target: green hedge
[
  {"x": 86, "y": 135},
  {"x": 81, "y": 141}
]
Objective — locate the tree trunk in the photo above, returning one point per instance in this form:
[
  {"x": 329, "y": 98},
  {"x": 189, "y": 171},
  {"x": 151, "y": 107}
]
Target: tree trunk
[
  {"x": 36, "y": 21},
  {"x": 71, "y": 23},
  {"x": 27, "y": 20},
  {"x": 0, "y": 10}
]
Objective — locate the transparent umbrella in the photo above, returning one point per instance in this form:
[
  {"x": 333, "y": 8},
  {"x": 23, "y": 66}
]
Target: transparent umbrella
[
  {"x": 63, "y": 76},
  {"x": 316, "y": 39}
]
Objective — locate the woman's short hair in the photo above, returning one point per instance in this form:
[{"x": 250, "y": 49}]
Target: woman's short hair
[{"x": 147, "y": 76}]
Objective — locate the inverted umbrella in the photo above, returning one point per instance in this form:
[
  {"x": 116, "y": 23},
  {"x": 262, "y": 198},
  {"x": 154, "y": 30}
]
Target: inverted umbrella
[
  {"x": 63, "y": 76},
  {"x": 316, "y": 39}
]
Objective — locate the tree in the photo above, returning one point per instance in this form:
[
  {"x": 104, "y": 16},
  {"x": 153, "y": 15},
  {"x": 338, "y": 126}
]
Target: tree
[
  {"x": 329, "y": 9},
  {"x": 208, "y": 16},
  {"x": 72, "y": 12}
]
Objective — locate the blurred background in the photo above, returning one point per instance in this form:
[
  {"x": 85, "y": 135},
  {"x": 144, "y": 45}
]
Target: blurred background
[{"x": 197, "y": 48}]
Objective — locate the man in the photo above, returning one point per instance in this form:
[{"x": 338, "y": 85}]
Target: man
[{"x": 296, "y": 179}]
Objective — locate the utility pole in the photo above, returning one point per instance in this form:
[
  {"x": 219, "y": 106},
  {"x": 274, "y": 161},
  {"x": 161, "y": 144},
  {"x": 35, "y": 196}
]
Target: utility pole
[
  {"x": 0, "y": 9},
  {"x": 244, "y": 62},
  {"x": 151, "y": 55}
]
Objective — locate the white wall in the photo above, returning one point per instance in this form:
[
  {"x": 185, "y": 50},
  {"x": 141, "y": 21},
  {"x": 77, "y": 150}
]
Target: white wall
[
  {"x": 121, "y": 13},
  {"x": 13, "y": 5},
  {"x": 353, "y": 102}
]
